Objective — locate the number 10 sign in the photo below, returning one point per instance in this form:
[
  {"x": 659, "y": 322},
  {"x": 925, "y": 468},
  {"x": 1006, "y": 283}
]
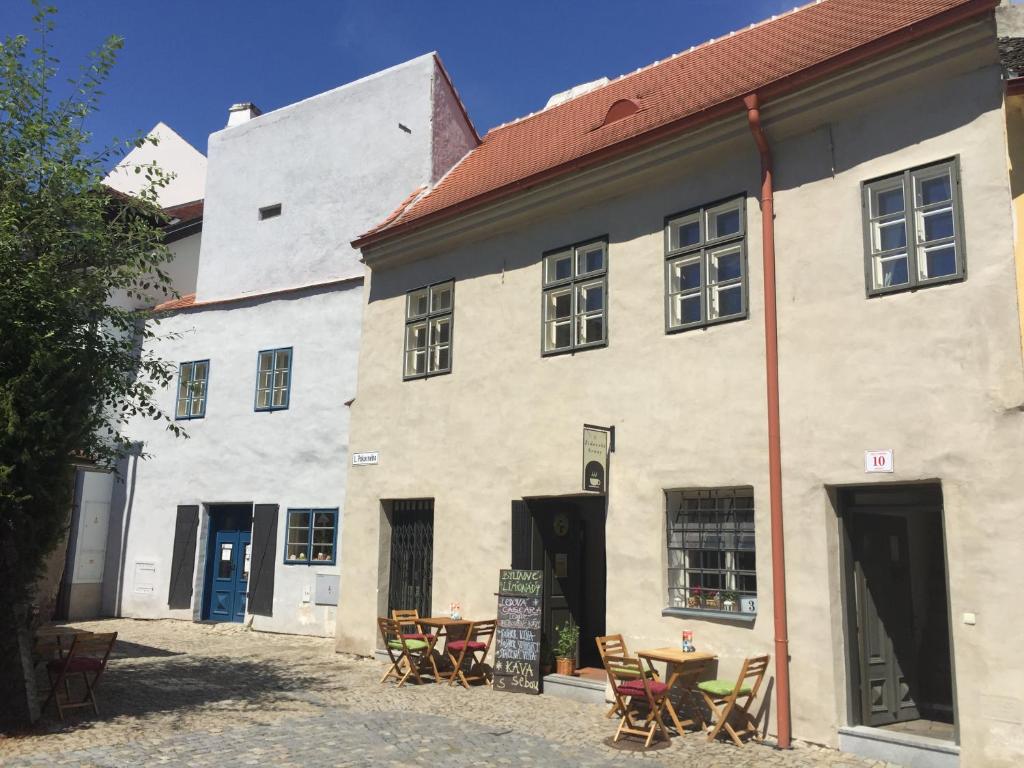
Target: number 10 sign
[{"x": 878, "y": 461}]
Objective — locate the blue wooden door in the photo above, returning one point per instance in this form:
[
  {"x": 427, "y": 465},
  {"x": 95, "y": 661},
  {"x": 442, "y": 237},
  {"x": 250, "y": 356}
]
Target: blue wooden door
[
  {"x": 244, "y": 558},
  {"x": 229, "y": 576}
]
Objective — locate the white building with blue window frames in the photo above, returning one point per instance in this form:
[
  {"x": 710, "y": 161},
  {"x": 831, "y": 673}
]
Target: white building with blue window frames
[{"x": 241, "y": 520}]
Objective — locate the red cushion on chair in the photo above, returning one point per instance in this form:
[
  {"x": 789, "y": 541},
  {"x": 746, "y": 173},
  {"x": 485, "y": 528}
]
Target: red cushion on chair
[
  {"x": 473, "y": 645},
  {"x": 636, "y": 688},
  {"x": 416, "y": 636},
  {"x": 79, "y": 664}
]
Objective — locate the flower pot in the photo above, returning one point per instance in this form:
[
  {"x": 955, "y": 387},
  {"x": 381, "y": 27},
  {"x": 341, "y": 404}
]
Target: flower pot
[
  {"x": 713, "y": 603},
  {"x": 565, "y": 666},
  {"x": 693, "y": 602}
]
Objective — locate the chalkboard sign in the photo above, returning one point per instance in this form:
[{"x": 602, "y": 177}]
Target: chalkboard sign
[{"x": 517, "y": 640}]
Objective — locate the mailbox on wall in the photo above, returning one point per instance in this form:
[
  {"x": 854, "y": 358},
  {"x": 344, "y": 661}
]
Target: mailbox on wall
[{"x": 327, "y": 588}]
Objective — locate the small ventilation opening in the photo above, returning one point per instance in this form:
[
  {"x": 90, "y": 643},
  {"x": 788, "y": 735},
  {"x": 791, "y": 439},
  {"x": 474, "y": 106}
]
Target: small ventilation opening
[
  {"x": 270, "y": 211},
  {"x": 620, "y": 109}
]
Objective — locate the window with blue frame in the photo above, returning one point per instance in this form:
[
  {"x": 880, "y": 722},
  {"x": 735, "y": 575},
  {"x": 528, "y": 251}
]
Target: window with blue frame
[
  {"x": 312, "y": 536},
  {"x": 274, "y": 379},
  {"x": 192, "y": 378}
]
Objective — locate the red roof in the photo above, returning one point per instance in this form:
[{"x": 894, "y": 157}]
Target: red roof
[
  {"x": 185, "y": 211},
  {"x": 690, "y": 88},
  {"x": 188, "y": 300},
  {"x": 184, "y": 302}
]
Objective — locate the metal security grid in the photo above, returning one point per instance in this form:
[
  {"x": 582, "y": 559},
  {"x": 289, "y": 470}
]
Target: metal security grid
[
  {"x": 710, "y": 543},
  {"x": 412, "y": 555}
]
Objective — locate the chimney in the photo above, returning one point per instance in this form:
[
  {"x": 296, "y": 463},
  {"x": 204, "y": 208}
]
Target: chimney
[{"x": 242, "y": 113}]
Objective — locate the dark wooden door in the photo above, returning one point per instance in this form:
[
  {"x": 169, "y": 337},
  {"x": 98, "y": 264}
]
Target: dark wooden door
[
  {"x": 561, "y": 538},
  {"x": 885, "y": 618}
]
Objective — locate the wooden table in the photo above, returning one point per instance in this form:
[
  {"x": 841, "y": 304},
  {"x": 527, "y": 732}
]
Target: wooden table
[
  {"x": 685, "y": 667},
  {"x": 442, "y": 626}
]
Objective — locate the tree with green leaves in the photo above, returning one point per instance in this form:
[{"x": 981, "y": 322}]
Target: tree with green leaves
[{"x": 75, "y": 258}]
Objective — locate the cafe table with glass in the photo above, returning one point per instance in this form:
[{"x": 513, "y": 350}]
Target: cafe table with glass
[{"x": 684, "y": 669}]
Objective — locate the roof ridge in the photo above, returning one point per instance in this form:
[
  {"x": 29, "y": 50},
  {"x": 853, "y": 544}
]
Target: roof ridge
[{"x": 658, "y": 62}]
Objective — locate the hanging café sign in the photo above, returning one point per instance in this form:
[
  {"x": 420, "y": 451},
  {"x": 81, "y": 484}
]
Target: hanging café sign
[{"x": 597, "y": 443}]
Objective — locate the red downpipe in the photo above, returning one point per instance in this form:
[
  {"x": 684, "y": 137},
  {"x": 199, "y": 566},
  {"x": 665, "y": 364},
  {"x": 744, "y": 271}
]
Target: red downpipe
[{"x": 771, "y": 345}]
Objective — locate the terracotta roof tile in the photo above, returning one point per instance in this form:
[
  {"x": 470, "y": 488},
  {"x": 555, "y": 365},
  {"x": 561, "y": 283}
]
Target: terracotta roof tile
[
  {"x": 675, "y": 91},
  {"x": 188, "y": 300},
  {"x": 185, "y": 211}
]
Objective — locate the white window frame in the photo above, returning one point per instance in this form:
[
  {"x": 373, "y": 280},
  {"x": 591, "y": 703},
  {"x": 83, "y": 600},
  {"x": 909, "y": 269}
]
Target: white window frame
[
  {"x": 702, "y": 253},
  {"x": 913, "y": 215},
  {"x": 431, "y": 321},
  {"x": 574, "y": 284},
  {"x": 192, "y": 390}
]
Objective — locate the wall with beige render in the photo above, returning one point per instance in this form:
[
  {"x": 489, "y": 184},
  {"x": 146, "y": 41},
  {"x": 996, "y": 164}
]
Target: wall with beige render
[{"x": 934, "y": 374}]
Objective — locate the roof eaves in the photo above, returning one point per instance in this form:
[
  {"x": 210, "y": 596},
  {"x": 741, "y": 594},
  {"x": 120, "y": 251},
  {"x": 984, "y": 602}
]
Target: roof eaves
[{"x": 785, "y": 84}]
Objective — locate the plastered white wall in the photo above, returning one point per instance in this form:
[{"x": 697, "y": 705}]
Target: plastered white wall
[
  {"x": 173, "y": 155},
  {"x": 293, "y": 458},
  {"x": 337, "y": 163}
]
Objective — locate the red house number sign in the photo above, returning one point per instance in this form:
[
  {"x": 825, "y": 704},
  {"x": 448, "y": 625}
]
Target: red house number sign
[{"x": 878, "y": 461}]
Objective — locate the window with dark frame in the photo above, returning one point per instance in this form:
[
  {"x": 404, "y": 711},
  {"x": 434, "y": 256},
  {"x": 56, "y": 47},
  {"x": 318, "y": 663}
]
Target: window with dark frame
[
  {"x": 428, "y": 330},
  {"x": 192, "y": 380},
  {"x": 706, "y": 265},
  {"x": 311, "y": 537},
  {"x": 711, "y": 551},
  {"x": 273, "y": 379},
  {"x": 575, "y": 303},
  {"x": 913, "y": 228}
]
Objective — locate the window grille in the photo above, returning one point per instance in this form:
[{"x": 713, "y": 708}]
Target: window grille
[{"x": 711, "y": 550}]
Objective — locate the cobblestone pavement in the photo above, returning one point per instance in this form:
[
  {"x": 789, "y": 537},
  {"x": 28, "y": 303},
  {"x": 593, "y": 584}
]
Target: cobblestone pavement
[{"x": 184, "y": 694}]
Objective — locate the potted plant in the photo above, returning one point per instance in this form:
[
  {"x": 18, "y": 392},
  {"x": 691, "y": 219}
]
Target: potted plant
[
  {"x": 712, "y": 600},
  {"x": 565, "y": 648},
  {"x": 730, "y": 600},
  {"x": 693, "y": 598}
]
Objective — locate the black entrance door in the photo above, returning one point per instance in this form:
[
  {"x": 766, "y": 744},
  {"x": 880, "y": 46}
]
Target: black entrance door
[
  {"x": 564, "y": 537},
  {"x": 885, "y": 618},
  {"x": 412, "y": 556}
]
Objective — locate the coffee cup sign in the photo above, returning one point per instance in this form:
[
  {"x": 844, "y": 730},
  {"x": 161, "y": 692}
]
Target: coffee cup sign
[{"x": 595, "y": 458}]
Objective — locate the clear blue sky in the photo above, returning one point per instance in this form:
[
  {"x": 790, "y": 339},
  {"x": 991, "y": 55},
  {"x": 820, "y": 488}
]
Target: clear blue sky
[{"x": 186, "y": 61}]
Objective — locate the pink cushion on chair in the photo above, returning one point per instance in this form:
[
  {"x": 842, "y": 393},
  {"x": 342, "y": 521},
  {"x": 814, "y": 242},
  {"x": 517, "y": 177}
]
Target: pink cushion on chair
[
  {"x": 78, "y": 664},
  {"x": 473, "y": 645},
  {"x": 636, "y": 688}
]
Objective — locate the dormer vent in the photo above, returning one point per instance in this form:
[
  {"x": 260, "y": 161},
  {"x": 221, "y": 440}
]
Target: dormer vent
[{"x": 620, "y": 109}]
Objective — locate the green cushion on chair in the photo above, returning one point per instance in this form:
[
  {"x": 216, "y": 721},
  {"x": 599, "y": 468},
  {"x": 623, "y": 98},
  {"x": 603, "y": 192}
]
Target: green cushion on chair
[
  {"x": 412, "y": 645},
  {"x": 721, "y": 687},
  {"x": 629, "y": 671}
]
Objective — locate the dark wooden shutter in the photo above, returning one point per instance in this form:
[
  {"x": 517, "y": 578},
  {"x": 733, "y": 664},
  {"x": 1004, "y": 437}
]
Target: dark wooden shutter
[
  {"x": 183, "y": 557},
  {"x": 264, "y": 559},
  {"x": 522, "y": 535}
]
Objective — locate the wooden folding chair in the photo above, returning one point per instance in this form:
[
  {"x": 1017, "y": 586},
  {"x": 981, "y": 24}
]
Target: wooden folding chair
[
  {"x": 87, "y": 655},
  {"x": 728, "y": 700},
  {"x": 408, "y": 656},
  {"x": 477, "y": 640},
  {"x": 410, "y": 621},
  {"x": 614, "y": 645},
  {"x": 632, "y": 685}
]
